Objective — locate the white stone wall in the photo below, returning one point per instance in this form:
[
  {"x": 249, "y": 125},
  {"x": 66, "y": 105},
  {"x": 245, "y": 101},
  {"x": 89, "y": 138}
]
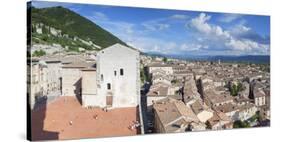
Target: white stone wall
[
  {"x": 89, "y": 90},
  {"x": 247, "y": 113},
  {"x": 93, "y": 100},
  {"x": 124, "y": 89},
  {"x": 89, "y": 83},
  {"x": 53, "y": 77},
  {"x": 70, "y": 81},
  {"x": 260, "y": 101},
  {"x": 34, "y": 83}
]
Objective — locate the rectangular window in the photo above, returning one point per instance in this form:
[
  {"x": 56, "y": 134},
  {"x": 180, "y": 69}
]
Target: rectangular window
[
  {"x": 121, "y": 72},
  {"x": 108, "y": 86}
]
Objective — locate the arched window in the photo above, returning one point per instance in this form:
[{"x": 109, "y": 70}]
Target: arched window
[
  {"x": 101, "y": 77},
  {"x": 121, "y": 72},
  {"x": 115, "y": 73}
]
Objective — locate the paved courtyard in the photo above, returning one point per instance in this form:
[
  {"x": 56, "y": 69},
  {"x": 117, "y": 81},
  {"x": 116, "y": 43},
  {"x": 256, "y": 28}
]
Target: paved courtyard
[{"x": 64, "y": 118}]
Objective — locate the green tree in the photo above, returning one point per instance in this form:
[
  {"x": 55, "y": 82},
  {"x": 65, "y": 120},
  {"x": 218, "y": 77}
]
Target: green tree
[
  {"x": 236, "y": 88},
  {"x": 70, "y": 23},
  {"x": 208, "y": 125},
  {"x": 241, "y": 124},
  {"x": 39, "y": 53},
  {"x": 143, "y": 75},
  {"x": 45, "y": 30},
  {"x": 256, "y": 117},
  {"x": 165, "y": 59},
  {"x": 174, "y": 81}
]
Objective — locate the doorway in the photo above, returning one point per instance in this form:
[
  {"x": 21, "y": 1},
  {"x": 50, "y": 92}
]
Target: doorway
[{"x": 109, "y": 100}]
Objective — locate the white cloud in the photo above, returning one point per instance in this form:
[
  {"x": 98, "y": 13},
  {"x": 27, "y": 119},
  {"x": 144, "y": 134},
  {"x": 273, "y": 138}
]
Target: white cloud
[
  {"x": 244, "y": 32},
  {"x": 239, "y": 29},
  {"x": 212, "y": 39},
  {"x": 164, "y": 23},
  {"x": 222, "y": 39},
  {"x": 163, "y": 26},
  {"x": 209, "y": 38},
  {"x": 241, "y": 45},
  {"x": 200, "y": 24},
  {"x": 111, "y": 26},
  {"x": 149, "y": 44},
  {"x": 99, "y": 16},
  {"x": 155, "y": 25},
  {"x": 133, "y": 36},
  {"x": 120, "y": 27},
  {"x": 227, "y": 18},
  {"x": 192, "y": 47},
  {"x": 248, "y": 46},
  {"x": 179, "y": 16}
]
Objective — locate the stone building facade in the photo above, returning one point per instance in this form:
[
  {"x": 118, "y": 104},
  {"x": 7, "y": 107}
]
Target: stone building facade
[{"x": 118, "y": 77}]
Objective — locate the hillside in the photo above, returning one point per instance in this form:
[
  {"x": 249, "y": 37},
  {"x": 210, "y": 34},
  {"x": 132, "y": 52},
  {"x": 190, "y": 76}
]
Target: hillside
[{"x": 59, "y": 25}]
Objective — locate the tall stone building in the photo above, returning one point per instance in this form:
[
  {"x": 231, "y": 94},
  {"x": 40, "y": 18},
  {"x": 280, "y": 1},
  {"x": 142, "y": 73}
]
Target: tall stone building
[
  {"x": 44, "y": 79},
  {"x": 118, "y": 77}
]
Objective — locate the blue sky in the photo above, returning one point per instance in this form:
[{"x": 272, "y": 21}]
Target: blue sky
[{"x": 179, "y": 32}]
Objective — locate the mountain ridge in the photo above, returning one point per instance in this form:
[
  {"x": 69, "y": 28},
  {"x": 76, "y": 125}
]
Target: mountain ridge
[
  {"x": 260, "y": 59},
  {"x": 59, "y": 25}
]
